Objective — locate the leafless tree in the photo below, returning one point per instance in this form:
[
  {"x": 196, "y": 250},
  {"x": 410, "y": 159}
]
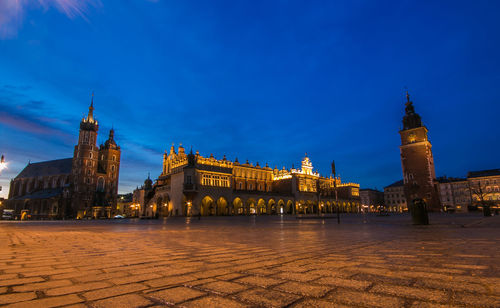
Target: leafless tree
[{"x": 479, "y": 191}]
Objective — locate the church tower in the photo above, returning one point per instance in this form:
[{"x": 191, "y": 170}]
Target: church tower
[
  {"x": 108, "y": 172},
  {"x": 85, "y": 162},
  {"x": 417, "y": 161}
]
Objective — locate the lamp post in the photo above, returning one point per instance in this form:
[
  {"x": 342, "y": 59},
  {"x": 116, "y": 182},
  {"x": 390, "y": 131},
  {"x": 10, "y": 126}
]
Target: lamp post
[
  {"x": 335, "y": 188},
  {"x": 3, "y": 164}
]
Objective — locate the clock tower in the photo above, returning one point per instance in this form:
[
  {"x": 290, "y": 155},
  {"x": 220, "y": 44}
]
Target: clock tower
[{"x": 417, "y": 161}]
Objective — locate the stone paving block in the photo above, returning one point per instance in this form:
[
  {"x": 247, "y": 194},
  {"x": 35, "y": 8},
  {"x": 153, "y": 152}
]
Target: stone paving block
[
  {"x": 356, "y": 298},
  {"x": 19, "y": 281},
  {"x": 134, "y": 278},
  {"x": 302, "y": 277},
  {"x": 452, "y": 285},
  {"x": 175, "y": 295},
  {"x": 305, "y": 289},
  {"x": 77, "y": 288},
  {"x": 129, "y": 301},
  {"x": 16, "y": 297},
  {"x": 42, "y": 285},
  {"x": 114, "y": 291},
  {"x": 259, "y": 281},
  {"x": 317, "y": 303},
  {"x": 266, "y": 297},
  {"x": 476, "y": 300},
  {"x": 230, "y": 276},
  {"x": 419, "y": 304},
  {"x": 213, "y": 302},
  {"x": 467, "y": 266},
  {"x": 8, "y": 276},
  {"x": 48, "y": 272},
  {"x": 411, "y": 292},
  {"x": 198, "y": 282},
  {"x": 347, "y": 283},
  {"x": 49, "y": 302},
  {"x": 212, "y": 273},
  {"x": 223, "y": 287},
  {"x": 169, "y": 281},
  {"x": 100, "y": 276},
  {"x": 76, "y": 274}
]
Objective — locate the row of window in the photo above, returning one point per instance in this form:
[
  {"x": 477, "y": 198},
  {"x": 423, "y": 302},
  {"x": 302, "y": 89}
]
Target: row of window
[
  {"x": 260, "y": 187},
  {"x": 215, "y": 180}
]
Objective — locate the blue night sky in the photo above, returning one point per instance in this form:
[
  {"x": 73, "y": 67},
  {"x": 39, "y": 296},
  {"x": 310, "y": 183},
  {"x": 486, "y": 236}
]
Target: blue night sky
[{"x": 260, "y": 80}]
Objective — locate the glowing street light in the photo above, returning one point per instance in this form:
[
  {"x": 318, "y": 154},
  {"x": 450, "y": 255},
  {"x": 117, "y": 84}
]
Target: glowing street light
[{"x": 3, "y": 164}]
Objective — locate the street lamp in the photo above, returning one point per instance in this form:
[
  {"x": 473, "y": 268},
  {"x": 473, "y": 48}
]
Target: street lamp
[{"x": 3, "y": 164}]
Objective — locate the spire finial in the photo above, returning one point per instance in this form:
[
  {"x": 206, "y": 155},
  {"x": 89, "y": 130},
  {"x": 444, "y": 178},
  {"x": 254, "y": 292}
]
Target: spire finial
[
  {"x": 148, "y": 176},
  {"x": 407, "y": 97},
  {"x": 90, "y": 116}
]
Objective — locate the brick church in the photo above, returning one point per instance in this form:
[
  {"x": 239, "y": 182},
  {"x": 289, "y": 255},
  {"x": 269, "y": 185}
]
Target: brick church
[{"x": 84, "y": 186}]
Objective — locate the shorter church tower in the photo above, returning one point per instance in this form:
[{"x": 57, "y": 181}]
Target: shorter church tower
[
  {"x": 417, "y": 161},
  {"x": 108, "y": 172}
]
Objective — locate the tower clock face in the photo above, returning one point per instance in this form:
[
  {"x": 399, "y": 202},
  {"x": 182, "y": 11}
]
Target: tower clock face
[{"x": 412, "y": 138}]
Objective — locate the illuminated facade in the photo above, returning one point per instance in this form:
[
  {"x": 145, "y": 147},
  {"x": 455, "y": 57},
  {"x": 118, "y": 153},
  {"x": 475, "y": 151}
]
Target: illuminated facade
[{"x": 191, "y": 184}]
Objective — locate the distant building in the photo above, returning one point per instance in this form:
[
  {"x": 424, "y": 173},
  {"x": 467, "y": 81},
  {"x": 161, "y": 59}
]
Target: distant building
[
  {"x": 484, "y": 188},
  {"x": 454, "y": 194},
  {"x": 371, "y": 199},
  {"x": 191, "y": 184},
  {"x": 124, "y": 203},
  {"x": 83, "y": 186},
  {"x": 395, "y": 198},
  {"x": 140, "y": 196},
  {"x": 417, "y": 161}
]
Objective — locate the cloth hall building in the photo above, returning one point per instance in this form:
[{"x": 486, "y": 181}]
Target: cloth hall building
[{"x": 192, "y": 185}]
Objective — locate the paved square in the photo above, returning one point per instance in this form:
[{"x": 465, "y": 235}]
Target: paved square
[{"x": 252, "y": 261}]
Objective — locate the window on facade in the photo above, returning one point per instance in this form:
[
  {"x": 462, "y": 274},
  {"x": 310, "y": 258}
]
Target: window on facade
[
  {"x": 215, "y": 180},
  {"x": 100, "y": 185},
  {"x": 90, "y": 155},
  {"x": 113, "y": 168},
  {"x": 250, "y": 186},
  {"x": 188, "y": 179},
  {"x": 114, "y": 157},
  {"x": 88, "y": 172}
]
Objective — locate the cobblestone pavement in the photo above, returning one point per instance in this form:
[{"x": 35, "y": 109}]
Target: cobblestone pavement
[{"x": 252, "y": 261}]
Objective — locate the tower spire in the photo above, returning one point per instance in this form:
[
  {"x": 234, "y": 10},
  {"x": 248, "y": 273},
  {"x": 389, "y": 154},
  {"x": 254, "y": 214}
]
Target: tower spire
[
  {"x": 407, "y": 97},
  {"x": 90, "y": 116}
]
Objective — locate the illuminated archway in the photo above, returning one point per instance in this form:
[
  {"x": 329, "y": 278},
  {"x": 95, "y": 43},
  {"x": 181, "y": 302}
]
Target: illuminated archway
[
  {"x": 261, "y": 207},
  {"x": 281, "y": 206},
  {"x": 222, "y": 206},
  {"x": 271, "y": 207},
  {"x": 289, "y": 207},
  {"x": 207, "y": 206},
  {"x": 250, "y": 207},
  {"x": 238, "y": 206}
]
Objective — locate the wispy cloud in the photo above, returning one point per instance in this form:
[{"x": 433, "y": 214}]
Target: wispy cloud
[{"x": 13, "y": 11}]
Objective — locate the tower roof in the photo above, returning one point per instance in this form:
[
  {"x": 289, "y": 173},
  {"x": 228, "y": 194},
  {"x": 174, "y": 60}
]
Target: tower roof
[
  {"x": 411, "y": 119},
  {"x": 89, "y": 123},
  {"x": 111, "y": 143}
]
